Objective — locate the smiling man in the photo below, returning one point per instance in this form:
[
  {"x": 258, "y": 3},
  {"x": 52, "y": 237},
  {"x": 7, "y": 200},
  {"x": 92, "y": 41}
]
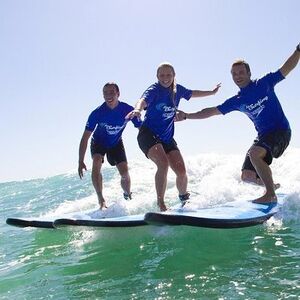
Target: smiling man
[
  {"x": 107, "y": 123},
  {"x": 257, "y": 99}
]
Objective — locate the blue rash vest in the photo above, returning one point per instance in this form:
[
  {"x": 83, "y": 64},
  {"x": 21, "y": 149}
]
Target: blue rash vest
[
  {"x": 260, "y": 103},
  {"x": 161, "y": 109},
  {"x": 108, "y": 124}
]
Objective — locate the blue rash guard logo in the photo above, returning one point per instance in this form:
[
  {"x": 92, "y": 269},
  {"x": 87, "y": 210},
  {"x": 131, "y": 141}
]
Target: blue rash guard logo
[
  {"x": 111, "y": 130},
  {"x": 168, "y": 112},
  {"x": 256, "y": 108}
]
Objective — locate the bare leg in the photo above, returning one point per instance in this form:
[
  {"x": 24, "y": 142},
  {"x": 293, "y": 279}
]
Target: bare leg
[
  {"x": 177, "y": 164},
  {"x": 257, "y": 155},
  {"x": 249, "y": 176},
  {"x": 157, "y": 154},
  {"x": 125, "y": 177},
  {"x": 97, "y": 179}
]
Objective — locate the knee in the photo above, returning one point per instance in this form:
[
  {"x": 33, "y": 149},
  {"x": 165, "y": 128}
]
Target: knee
[
  {"x": 123, "y": 169},
  {"x": 253, "y": 154},
  {"x": 96, "y": 174},
  {"x": 179, "y": 168},
  {"x": 125, "y": 175},
  {"x": 97, "y": 164},
  {"x": 256, "y": 153},
  {"x": 97, "y": 160},
  {"x": 163, "y": 165},
  {"x": 248, "y": 176},
  {"x": 245, "y": 176}
]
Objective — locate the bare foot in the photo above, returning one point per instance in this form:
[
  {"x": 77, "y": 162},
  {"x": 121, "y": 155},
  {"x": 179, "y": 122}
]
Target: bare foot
[
  {"x": 276, "y": 185},
  {"x": 266, "y": 199},
  {"x": 102, "y": 205},
  {"x": 260, "y": 183},
  {"x": 161, "y": 206}
]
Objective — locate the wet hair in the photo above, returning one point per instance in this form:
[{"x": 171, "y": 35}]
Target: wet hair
[
  {"x": 240, "y": 62},
  {"x": 113, "y": 84},
  {"x": 174, "y": 85}
]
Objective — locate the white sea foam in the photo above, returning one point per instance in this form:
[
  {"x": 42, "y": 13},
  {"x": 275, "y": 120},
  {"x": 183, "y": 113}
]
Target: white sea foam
[{"x": 214, "y": 179}]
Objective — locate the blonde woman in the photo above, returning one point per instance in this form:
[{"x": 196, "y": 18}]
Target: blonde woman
[{"x": 155, "y": 137}]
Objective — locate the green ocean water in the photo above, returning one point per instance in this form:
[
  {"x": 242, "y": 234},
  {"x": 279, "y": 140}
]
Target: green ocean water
[{"x": 148, "y": 262}]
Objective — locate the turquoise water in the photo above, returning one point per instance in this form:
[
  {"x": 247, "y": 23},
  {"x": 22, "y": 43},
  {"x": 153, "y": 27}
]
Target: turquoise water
[{"x": 149, "y": 262}]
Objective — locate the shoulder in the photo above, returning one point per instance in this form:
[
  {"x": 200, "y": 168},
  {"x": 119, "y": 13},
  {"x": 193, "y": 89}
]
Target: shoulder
[
  {"x": 125, "y": 106},
  {"x": 183, "y": 92},
  {"x": 180, "y": 86},
  {"x": 97, "y": 110},
  {"x": 271, "y": 78},
  {"x": 232, "y": 99},
  {"x": 152, "y": 90},
  {"x": 100, "y": 107},
  {"x": 182, "y": 89},
  {"x": 229, "y": 104},
  {"x": 154, "y": 87}
]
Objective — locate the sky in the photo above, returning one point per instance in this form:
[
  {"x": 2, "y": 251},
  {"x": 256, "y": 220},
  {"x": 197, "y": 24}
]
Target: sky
[{"x": 56, "y": 55}]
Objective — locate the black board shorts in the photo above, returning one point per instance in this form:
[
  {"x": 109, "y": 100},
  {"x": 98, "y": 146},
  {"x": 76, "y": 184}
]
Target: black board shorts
[
  {"x": 115, "y": 155},
  {"x": 147, "y": 139},
  {"x": 274, "y": 142}
]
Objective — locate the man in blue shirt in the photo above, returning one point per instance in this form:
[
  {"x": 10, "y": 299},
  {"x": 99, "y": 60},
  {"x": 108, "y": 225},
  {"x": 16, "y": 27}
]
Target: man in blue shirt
[
  {"x": 259, "y": 102},
  {"x": 107, "y": 123}
]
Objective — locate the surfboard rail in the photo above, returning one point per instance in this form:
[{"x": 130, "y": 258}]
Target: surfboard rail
[
  {"x": 235, "y": 214},
  {"x": 99, "y": 222},
  {"x": 153, "y": 218},
  {"x": 19, "y": 222}
]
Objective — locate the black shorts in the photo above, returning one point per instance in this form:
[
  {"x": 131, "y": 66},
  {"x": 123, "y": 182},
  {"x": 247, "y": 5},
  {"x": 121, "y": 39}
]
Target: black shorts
[
  {"x": 274, "y": 142},
  {"x": 147, "y": 139},
  {"x": 115, "y": 155}
]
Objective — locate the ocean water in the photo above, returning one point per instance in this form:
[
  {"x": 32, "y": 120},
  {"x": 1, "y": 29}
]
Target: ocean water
[{"x": 151, "y": 262}]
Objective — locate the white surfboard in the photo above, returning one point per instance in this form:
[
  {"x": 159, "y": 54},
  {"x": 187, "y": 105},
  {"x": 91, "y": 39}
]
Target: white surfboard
[
  {"x": 124, "y": 221},
  {"x": 95, "y": 218},
  {"x": 234, "y": 214}
]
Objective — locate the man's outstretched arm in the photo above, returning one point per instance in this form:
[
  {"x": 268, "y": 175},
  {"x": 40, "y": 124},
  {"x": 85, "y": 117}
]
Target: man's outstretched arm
[
  {"x": 202, "y": 114},
  {"x": 291, "y": 62}
]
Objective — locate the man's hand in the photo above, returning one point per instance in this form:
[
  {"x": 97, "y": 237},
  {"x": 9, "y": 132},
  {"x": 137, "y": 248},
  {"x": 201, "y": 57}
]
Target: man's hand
[
  {"x": 81, "y": 167},
  {"x": 215, "y": 90},
  {"x": 134, "y": 113},
  {"x": 180, "y": 116}
]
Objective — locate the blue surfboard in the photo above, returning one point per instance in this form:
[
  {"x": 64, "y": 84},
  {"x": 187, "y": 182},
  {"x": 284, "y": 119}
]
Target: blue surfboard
[{"x": 235, "y": 214}]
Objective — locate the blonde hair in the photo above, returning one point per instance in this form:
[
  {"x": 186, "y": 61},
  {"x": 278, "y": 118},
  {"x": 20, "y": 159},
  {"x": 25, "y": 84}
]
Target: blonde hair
[
  {"x": 165, "y": 64},
  {"x": 174, "y": 85}
]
